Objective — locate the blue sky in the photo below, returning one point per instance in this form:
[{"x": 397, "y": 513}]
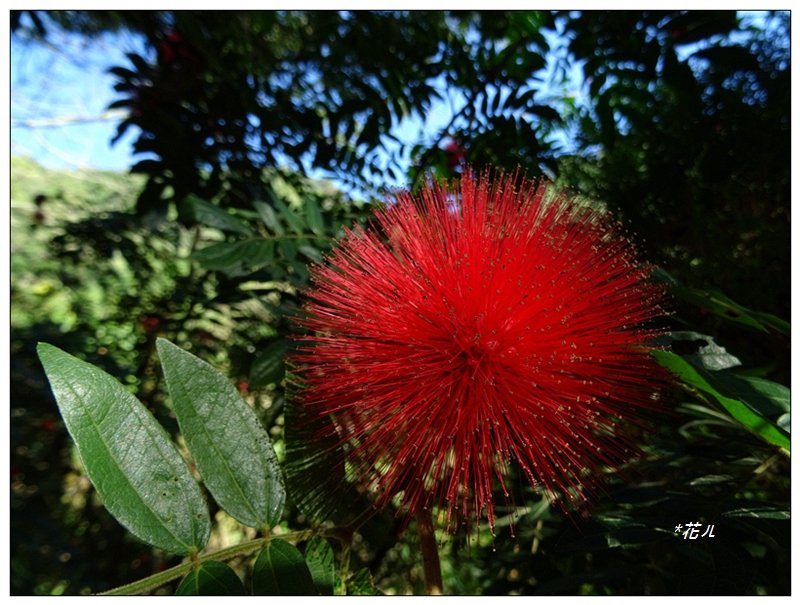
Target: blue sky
[
  {"x": 60, "y": 92},
  {"x": 59, "y": 95}
]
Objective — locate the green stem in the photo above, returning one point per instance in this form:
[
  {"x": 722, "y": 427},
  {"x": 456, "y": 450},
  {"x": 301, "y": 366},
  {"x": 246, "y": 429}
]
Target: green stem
[
  {"x": 343, "y": 535},
  {"x": 152, "y": 582},
  {"x": 430, "y": 552}
]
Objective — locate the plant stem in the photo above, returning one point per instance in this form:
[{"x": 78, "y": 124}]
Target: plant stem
[
  {"x": 430, "y": 552},
  {"x": 343, "y": 535},
  {"x": 152, "y": 582}
]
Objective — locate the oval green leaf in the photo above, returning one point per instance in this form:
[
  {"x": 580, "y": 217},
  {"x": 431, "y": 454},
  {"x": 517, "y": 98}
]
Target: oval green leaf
[
  {"x": 269, "y": 218},
  {"x": 314, "y": 216},
  {"x": 135, "y": 467},
  {"x": 231, "y": 449},
  {"x": 766, "y": 397},
  {"x": 211, "y": 579},
  {"x": 289, "y": 217},
  {"x": 281, "y": 570}
]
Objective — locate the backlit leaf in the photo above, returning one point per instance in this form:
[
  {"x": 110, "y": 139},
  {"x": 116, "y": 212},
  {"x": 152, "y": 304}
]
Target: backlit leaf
[
  {"x": 321, "y": 564},
  {"x": 269, "y": 218}
]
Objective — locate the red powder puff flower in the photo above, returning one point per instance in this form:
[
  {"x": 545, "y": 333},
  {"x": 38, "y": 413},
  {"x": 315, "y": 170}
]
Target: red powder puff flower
[
  {"x": 468, "y": 329},
  {"x": 456, "y": 156}
]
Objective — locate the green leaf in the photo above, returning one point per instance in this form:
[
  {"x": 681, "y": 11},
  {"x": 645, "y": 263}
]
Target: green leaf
[
  {"x": 209, "y": 214},
  {"x": 281, "y": 570},
  {"x": 130, "y": 459},
  {"x": 211, "y": 579},
  {"x": 720, "y": 305},
  {"x": 784, "y": 421},
  {"x": 311, "y": 253},
  {"x": 710, "y": 356},
  {"x": 268, "y": 367},
  {"x": 760, "y": 513},
  {"x": 361, "y": 584},
  {"x": 712, "y": 480},
  {"x": 772, "y": 321},
  {"x": 765, "y": 397},
  {"x": 289, "y": 217},
  {"x": 232, "y": 450},
  {"x": 778, "y": 395},
  {"x": 319, "y": 557},
  {"x": 299, "y": 271},
  {"x": 227, "y": 256},
  {"x": 288, "y": 249},
  {"x": 702, "y": 380},
  {"x": 314, "y": 216},
  {"x": 269, "y": 218}
]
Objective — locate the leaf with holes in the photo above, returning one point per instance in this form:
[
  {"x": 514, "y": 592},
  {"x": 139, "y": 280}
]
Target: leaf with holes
[{"x": 709, "y": 354}]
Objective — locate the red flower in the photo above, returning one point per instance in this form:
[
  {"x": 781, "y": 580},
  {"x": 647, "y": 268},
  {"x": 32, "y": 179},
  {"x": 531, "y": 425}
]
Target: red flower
[
  {"x": 468, "y": 329},
  {"x": 456, "y": 156}
]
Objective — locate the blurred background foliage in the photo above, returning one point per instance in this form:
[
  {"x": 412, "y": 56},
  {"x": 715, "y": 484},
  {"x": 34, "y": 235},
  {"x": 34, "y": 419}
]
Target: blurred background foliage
[{"x": 262, "y": 135}]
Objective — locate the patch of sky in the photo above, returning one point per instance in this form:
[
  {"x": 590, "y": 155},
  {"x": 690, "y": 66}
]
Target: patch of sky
[{"x": 60, "y": 91}]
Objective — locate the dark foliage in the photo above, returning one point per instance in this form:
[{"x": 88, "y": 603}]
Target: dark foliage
[{"x": 680, "y": 126}]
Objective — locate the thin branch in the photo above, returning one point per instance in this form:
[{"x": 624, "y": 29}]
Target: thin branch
[
  {"x": 152, "y": 582},
  {"x": 59, "y": 121}
]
